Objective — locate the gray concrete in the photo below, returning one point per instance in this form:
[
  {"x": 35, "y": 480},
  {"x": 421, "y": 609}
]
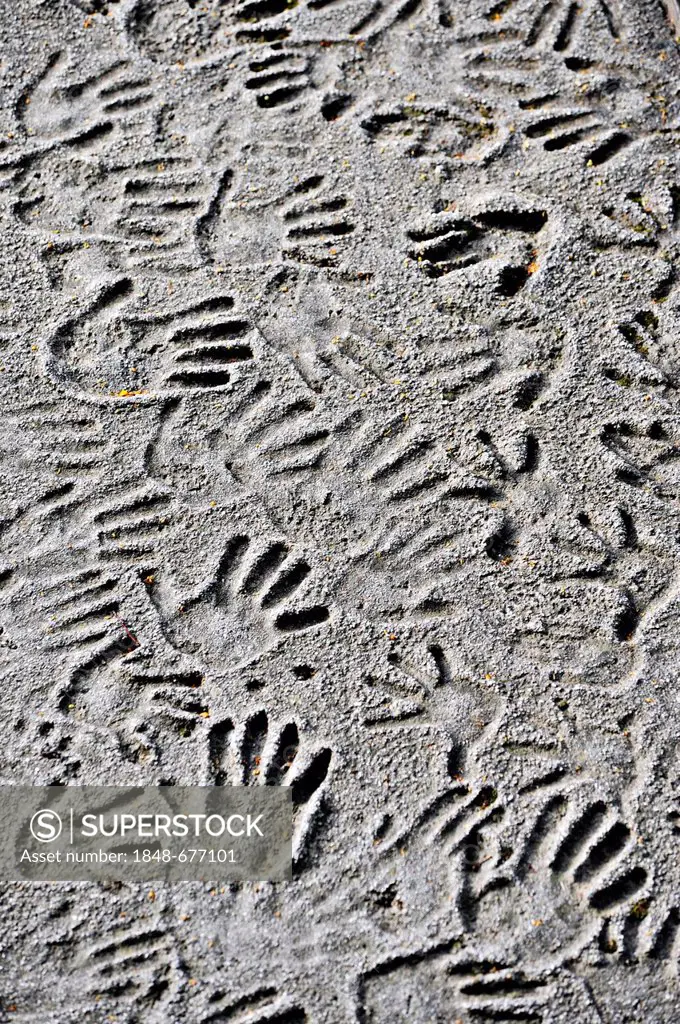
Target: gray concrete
[{"x": 339, "y": 382}]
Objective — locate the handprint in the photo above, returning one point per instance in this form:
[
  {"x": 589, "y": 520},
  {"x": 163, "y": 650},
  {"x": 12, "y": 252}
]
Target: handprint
[
  {"x": 58, "y": 108},
  {"x": 259, "y": 592},
  {"x": 257, "y": 754}
]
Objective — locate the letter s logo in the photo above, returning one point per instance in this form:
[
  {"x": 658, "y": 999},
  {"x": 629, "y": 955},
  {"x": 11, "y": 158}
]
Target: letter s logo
[{"x": 45, "y": 826}]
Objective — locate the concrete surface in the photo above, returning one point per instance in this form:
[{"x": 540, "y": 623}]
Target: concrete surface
[{"x": 340, "y": 362}]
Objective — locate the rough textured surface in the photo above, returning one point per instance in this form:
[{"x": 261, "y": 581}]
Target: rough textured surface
[{"x": 340, "y": 365}]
